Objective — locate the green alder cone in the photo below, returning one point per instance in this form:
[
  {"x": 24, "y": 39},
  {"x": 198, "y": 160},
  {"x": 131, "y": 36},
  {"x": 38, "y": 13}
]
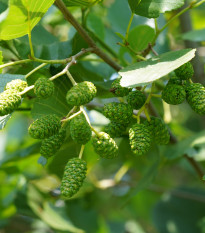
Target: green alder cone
[
  {"x": 81, "y": 94},
  {"x": 52, "y": 144},
  {"x": 140, "y": 139},
  {"x": 105, "y": 146},
  {"x": 118, "y": 112},
  {"x": 118, "y": 90},
  {"x": 185, "y": 71},
  {"x": 45, "y": 127},
  {"x": 175, "y": 80},
  {"x": 80, "y": 130},
  {"x": 174, "y": 94},
  {"x": 17, "y": 85},
  {"x": 115, "y": 129},
  {"x": 9, "y": 101},
  {"x": 74, "y": 175},
  {"x": 136, "y": 99},
  {"x": 158, "y": 130},
  {"x": 196, "y": 97},
  {"x": 43, "y": 88}
]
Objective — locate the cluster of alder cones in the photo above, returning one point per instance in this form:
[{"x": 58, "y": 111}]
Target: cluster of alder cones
[{"x": 52, "y": 130}]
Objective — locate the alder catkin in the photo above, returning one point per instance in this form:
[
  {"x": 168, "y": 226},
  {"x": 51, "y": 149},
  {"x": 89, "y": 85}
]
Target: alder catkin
[
  {"x": 115, "y": 129},
  {"x": 43, "y": 88},
  {"x": 80, "y": 130},
  {"x": 10, "y": 100},
  {"x": 81, "y": 94},
  {"x": 196, "y": 97},
  {"x": 52, "y": 144},
  {"x": 45, "y": 127},
  {"x": 140, "y": 139},
  {"x": 185, "y": 71},
  {"x": 118, "y": 90},
  {"x": 118, "y": 112},
  {"x": 158, "y": 130},
  {"x": 17, "y": 85},
  {"x": 74, "y": 175},
  {"x": 105, "y": 146},
  {"x": 174, "y": 94},
  {"x": 136, "y": 99}
]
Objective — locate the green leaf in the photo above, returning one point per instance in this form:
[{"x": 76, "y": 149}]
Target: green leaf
[
  {"x": 147, "y": 178},
  {"x": 56, "y": 104},
  {"x": 120, "y": 35},
  {"x": 153, "y": 8},
  {"x": 22, "y": 17},
  {"x": 148, "y": 71},
  {"x": 95, "y": 24},
  {"x": 180, "y": 210},
  {"x": 81, "y": 3},
  {"x": 196, "y": 35},
  {"x": 4, "y": 120},
  {"x": 136, "y": 34},
  {"x": 21, "y": 154},
  {"x": 5, "y": 78},
  {"x": 186, "y": 146},
  {"x": 133, "y": 4},
  {"x": 55, "y": 217}
]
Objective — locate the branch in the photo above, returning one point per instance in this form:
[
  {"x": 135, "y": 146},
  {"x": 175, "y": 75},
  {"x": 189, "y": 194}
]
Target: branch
[
  {"x": 196, "y": 166},
  {"x": 69, "y": 17}
]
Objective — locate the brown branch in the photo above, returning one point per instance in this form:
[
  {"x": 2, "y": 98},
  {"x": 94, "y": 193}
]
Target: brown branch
[{"x": 69, "y": 17}]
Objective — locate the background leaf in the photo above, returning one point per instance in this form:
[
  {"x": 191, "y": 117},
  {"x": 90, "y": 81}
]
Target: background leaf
[
  {"x": 136, "y": 34},
  {"x": 187, "y": 146},
  {"x": 170, "y": 214},
  {"x": 4, "y": 120},
  {"x": 22, "y": 17},
  {"x": 196, "y": 35},
  {"x": 133, "y": 4},
  {"x": 56, "y": 104},
  {"x": 153, "y": 8},
  {"x": 155, "y": 68}
]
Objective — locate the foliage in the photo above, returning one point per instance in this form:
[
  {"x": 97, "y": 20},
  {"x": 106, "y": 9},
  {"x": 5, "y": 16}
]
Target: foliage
[{"x": 145, "y": 160}]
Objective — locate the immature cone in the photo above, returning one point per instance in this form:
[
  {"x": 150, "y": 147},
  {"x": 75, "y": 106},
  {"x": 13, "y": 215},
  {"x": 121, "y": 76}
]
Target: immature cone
[
  {"x": 52, "y": 144},
  {"x": 45, "y": 127},
  {"x": 74, "y": 175},
  {"x": 158, "y": 130},
  {"x": 118, "y": 90},
  {"x": 9, "y": 101},
  {"x": 105, "y": 146},
  {"x": 185, "y": 71},
  {"x": 43, "y": 88},
  {"x": 118, "y": 112},
  {"x": 115, "y": 129},
  {"x": 81, "y": 94},
  {"x": 173, "y": 94},
  {"x": 196, "y": 97},
  {"x": 140, "y": 139},
  {"x": 80, "y": 130},
  {"x": 175, "y": 80},
  {"x": 136, "y": 99},
  {"x": 17, "y": 85}
]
